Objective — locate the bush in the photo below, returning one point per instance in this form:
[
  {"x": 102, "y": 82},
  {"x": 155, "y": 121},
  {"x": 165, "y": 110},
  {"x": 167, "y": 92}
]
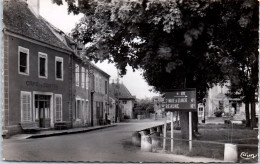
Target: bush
[{"x": 218, "y": 113}]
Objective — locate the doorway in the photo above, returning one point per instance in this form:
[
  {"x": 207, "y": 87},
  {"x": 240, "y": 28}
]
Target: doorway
[{"x": 42, "y": 110}]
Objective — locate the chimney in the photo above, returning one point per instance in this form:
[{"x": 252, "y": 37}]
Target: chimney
[{"x": 34, "y": 6}]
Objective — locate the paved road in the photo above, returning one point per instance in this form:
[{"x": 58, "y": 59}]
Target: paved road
[{"x": 111, "y": 144}]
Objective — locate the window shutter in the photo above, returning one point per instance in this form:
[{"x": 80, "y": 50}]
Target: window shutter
[
  {"x": 87, "y": 79},
  {"x": 26, "y": 107},
  {"x": 58, "y": 108}
]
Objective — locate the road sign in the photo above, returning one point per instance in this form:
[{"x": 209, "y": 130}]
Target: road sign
[{"x": 181, "y": 100}]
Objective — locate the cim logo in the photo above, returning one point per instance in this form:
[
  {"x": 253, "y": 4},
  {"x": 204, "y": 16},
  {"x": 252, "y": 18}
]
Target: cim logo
[{"x": 246, "y": 155}]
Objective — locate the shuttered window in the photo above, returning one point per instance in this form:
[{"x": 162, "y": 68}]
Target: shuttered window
[
  {"x": 26, "y": 109},
  {"x": 58, "y": 107},
  {"x": 87, "y": 79},
  {"x": 83, "y": 77},
  {"x": 77, "y": 74},
  {"x": 106, "y": 87}
]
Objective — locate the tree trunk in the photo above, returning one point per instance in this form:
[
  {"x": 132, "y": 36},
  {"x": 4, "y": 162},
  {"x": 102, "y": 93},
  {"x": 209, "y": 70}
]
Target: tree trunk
[
  {"x": 253, "y": 117},
  {"x": 184, "y": 120},
  {"x": 247, "y": 114}
]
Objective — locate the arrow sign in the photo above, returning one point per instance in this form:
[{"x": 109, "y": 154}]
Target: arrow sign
[{"x": 180, "y": 100}]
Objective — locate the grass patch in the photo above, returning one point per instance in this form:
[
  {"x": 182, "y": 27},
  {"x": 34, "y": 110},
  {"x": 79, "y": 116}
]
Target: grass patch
[{"x": 235, "y": 134}]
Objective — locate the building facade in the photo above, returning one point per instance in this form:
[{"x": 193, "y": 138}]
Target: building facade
[
  {"x": 80, "y": 85},
  {"x": 100, "y": 96},
  {"x": 125, "y": 99},
  {"x": 217, "y": 101},
  {"x": 34, "y": 71},
  {"x": 46, "y": 81}
]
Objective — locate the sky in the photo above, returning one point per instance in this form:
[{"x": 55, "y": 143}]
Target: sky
[{"x": 59, "y": 17}]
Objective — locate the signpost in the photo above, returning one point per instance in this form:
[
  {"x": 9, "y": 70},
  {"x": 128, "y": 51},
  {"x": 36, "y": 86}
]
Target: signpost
[{"x": 181, "y": 100}]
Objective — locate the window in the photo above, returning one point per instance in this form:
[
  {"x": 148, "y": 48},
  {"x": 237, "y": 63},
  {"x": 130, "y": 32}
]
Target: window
[
  {"x": 23, "y": 61},
  {"x": 101, "y": 110},
  {"x": 87, "y": 79},
  {"x": 100, "y": 84},
  {"x": 58, "y": 107},
  {"x": 42, "y": 65},
  {"x": 59, "y": 68},
  {"x": 124, "y": 102},
  {"x": 77, "y": 74},
  {"x": 83, "y": 77},
  {"x": 105, "y": 87},
  {"x": 96, "y": 83},
  {"x": 97, "y": 109},
  {"x": 78, "y": 109},
  {"x": 26, "y": 110},
  {"x": 221, "y": 105}
]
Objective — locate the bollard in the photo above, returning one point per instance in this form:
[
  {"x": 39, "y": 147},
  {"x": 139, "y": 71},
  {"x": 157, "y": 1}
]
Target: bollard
[
  {"x": 156, "y": 142},
  {"x": 230, "y": 153},
  {"x": 136, "y": 139},
  {"x": 139, "y": 117},
  {"x": 146, "y": 143}
]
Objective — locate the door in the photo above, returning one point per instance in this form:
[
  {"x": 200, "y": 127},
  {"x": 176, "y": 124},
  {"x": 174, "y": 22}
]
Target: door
[
  {"x": 43, "y": 107},
  {"x": 42, "y": 114}
]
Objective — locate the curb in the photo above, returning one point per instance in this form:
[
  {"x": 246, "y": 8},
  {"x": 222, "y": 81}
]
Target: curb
[{"x": 67, "y": 132}]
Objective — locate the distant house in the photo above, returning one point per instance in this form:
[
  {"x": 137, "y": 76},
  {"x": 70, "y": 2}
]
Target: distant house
[
  {"x": 125, "y": 98},
  {"x": 157, "y": 105},
  {"x": 217, "y": 101}
]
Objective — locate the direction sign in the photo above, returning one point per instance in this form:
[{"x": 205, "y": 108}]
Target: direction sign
[{"x": 180, "y": 100}]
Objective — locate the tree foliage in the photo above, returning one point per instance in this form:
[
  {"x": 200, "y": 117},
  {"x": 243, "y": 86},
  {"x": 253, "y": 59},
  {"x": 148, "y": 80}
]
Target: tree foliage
[{"x": 193, "y": 43}]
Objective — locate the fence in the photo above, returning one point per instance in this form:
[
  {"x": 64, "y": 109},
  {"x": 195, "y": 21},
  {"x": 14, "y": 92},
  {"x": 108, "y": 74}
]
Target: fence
[{"x": 152, "y": 139}]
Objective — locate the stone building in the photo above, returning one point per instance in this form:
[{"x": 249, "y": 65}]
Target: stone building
[
  {"x": 46, "y": 80},
  {"x": 218, "y": 101},
  {"x": 125, "y": 98},
  {"x": 100, "y": 97},
  {"x": 34, "y": 71}
]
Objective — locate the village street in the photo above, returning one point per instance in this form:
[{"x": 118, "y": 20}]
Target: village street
[{"x": 111, "y": 144}]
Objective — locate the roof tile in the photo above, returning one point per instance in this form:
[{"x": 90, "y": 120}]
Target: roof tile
[{"x": 19, "y": 19}]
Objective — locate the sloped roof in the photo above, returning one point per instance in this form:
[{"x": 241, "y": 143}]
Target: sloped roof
[
  {"x": 19, "y": 19},
  {"x": 120, "y": 91}
]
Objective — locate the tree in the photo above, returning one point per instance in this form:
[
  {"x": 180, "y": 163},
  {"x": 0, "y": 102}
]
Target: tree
[
  {"x": 176, "y": 43},
  {"x": 241, "y": 62}
]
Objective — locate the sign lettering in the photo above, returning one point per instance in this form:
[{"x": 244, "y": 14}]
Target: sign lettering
[
  {"x": 41, "y": 85},
  {"x": 184, "y": 99}
]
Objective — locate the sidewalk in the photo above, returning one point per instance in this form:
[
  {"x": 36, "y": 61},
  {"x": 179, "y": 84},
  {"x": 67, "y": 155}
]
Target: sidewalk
[{"x": 49, "y": 133}]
